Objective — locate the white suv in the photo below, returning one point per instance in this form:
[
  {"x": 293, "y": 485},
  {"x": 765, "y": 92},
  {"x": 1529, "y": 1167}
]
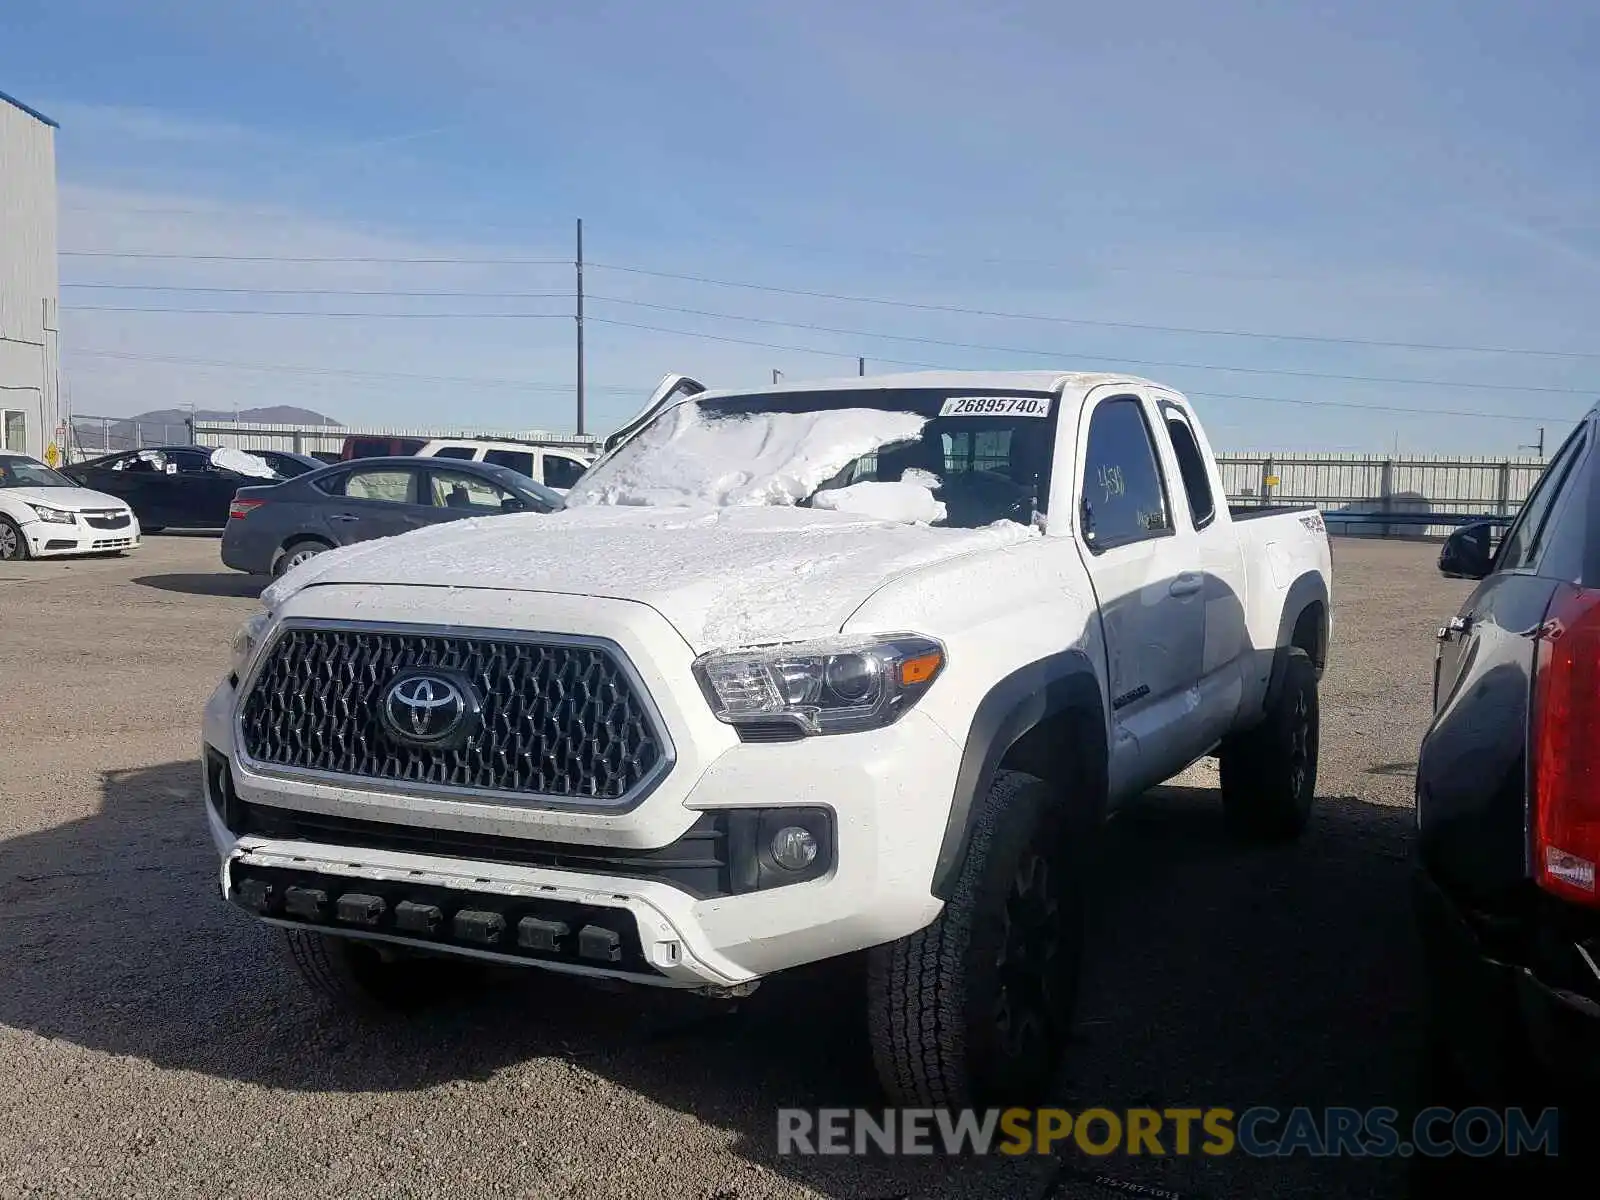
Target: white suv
[{"x": 557, "y": 469}]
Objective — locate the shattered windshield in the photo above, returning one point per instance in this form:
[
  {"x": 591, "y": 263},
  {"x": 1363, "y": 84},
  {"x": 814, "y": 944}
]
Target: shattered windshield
[{"x": 958, "y": 459}]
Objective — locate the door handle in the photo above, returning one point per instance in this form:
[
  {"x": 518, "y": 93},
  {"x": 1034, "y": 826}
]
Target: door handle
[
  {"x": 1186, "y": 584},
  {"x": 343, "y": 517}
]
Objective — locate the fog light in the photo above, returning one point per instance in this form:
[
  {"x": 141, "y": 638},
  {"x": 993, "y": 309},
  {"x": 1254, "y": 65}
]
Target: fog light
[{"x": 793, "y": 848}]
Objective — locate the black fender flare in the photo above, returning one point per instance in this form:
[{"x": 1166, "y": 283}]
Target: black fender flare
[
  {"x": 1032, "y": 694},
  {"x": 1305, "y": 591}
]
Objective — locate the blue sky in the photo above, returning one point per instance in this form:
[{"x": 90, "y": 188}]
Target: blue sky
[{"x": 1421, "y": 173}]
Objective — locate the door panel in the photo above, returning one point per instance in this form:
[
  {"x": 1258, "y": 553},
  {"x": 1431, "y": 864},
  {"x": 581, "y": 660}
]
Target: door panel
[
  {"x": 1214, "y": 549},
  {"x": 377, "y": 502},
  {"x": 1152, "y": 602}
]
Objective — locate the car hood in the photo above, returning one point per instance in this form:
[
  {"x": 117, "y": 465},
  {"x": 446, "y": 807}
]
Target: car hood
[
  {"x": 74, "y": 499},
  {"x": 722, "y": 577}
]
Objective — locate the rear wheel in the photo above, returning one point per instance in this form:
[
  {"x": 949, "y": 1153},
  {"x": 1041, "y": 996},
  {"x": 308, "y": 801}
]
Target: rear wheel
[
  {"x": 13, "y": 545},
  {"x": 977, "y": 1007},
  {"x": 1269, "y": 773},
  {"x": 298, "y": 552},
  {"x": 360, "y": 977}
]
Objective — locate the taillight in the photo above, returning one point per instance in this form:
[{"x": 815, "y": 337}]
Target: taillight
[
  {"x": 239, "y": 509},
  {"x": 1565, "y": 746}
]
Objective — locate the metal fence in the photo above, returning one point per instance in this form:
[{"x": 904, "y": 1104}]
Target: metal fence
[{"x": 1365, "y": 486}]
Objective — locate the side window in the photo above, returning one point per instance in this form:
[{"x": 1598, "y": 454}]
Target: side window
[
  {"x": 560, "y": 471},
  {"x": 519, "y": 461},
  {"x": 1192, "y": 469},
  {"x": 457, "y": 489},
  {"x": 1123, "y": 497},
  {"x": 1520, "y": 550},
  {"x": 389, "y": 485},
  {"x": 465, "y": 452},
  {"x": 189, "y": 462}
]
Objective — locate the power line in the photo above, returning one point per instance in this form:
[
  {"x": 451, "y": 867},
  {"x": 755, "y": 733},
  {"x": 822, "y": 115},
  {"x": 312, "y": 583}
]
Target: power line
[
  {"x": 163, "y": 287},
  {"x": 313, "y": 312},
  {"x": 1146, "y": 328},
  {"x": 1391, "y": 380},
  {"x": 1147, "y": 362},
  {"x": 283, "y": 258},
  {"x": 524, "y": 384},
  {"x": 901, "y": 362}
]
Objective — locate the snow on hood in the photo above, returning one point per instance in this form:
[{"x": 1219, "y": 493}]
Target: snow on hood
[
  {"x": 723, "y": 577},
  {"x": 687, "y": 459},
  {"x": 226, "y": 458}
]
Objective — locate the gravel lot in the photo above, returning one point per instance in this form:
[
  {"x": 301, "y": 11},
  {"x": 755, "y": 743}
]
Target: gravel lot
[{"x": 153, "y": 1042}]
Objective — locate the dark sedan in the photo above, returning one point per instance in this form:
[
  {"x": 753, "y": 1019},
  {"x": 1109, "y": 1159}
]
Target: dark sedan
[
  {"x": 178, "y": 487},
  {"x": 273, "y": 528}
]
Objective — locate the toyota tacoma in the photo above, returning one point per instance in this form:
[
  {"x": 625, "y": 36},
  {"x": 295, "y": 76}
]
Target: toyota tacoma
[{"x": 854, "y": 667}]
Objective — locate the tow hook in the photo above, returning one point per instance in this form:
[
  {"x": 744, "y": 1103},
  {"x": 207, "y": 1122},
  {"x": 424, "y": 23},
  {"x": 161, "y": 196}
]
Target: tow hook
[{"x": 734, "y": 991}]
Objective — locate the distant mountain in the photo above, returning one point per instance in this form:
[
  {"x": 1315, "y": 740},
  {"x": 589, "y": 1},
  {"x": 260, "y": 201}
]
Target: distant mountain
[
  {"x": 169, "y": 426},
  {"x": 275, "y": 414}
]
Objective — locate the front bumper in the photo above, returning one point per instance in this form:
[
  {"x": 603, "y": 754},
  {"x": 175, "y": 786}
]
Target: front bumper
[
  {"x": 886, "y": 792},
  {"x": 51, "y": 539},
  {"x": 1508, "y": 1019}
]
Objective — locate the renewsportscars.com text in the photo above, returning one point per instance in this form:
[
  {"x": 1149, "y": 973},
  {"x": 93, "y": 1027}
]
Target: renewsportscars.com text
[{"x": 1258, "y": 1132}]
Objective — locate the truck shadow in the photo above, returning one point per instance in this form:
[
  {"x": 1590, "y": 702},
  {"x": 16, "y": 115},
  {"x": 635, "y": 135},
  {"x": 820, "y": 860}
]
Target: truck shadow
[{"x": 1221, "y": 975}]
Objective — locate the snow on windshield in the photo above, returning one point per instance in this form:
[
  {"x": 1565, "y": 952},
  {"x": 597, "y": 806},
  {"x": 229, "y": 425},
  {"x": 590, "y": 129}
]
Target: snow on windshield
[
  {"x": 226, "y": 458},
  {"x": 910, "y": 500},
  {"x": 687, "y": 459}
]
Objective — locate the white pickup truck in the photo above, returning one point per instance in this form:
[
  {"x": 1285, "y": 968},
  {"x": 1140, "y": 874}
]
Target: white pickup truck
[{"x": 801, "y": 672}]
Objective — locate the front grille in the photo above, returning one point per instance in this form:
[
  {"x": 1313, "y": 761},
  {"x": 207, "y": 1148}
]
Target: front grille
[
  {"x": 107, "y": 520},
  {"x": 558, "y": 720},
  {"x": 113, "y": 543}
]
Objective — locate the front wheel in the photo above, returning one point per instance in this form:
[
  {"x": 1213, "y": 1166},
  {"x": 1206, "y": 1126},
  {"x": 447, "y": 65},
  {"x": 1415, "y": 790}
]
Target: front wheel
[
  {"x": 1269, "y": 773},
  {"x": 360, "y": 977},
  {"x": 13, "y": 545},
  {"x": 296, "y": 553},
  {"x": 976, "y": 1008}
]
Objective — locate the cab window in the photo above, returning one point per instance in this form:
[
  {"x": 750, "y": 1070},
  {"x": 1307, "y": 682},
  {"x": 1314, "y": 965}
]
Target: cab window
[{"x": 1123, "y": 499}]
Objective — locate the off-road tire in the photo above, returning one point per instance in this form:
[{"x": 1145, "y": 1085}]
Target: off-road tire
[
  {"x": 360, "y": 978},
  {"x": 936, "y": 998},
  {"x": 1269, "y": 773},
  {"x": 11, "y": 530}
]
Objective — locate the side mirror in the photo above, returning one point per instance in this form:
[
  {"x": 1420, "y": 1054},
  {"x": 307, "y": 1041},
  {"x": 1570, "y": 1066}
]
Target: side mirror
[
  {"x": 1468, "y": 552},
  {"x": 512, "y": 504}
]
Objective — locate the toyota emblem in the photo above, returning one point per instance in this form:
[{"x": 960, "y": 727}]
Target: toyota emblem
[{"x": 431, "y": 709}]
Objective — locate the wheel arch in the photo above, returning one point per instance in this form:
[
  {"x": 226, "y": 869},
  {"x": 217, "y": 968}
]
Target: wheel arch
[
  {"x": 296, "y": 539},
  {"x": 1038, "y": 719},
  {"x": 1304, "y": 623}
]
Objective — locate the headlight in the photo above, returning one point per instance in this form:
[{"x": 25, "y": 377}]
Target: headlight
[
  {"x": 56, "y": 516},
  {"x": 245, "y": 640},
  {"x": 836, "y": 685}
]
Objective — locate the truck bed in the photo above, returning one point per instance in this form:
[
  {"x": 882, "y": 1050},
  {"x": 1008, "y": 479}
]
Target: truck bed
[{"x": 1249, "y": 512}]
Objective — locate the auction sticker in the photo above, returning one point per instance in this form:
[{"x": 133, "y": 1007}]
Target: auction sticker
[{"x": 996, "y": 406}]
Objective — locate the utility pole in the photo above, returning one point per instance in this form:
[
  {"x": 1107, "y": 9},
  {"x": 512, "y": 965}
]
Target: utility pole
[
  {"x": 776, "y": 374},
  {"x": 1539, "y": 445},
  {"x": 861, "y": 366},
  {"x": 579, "y": 265}
]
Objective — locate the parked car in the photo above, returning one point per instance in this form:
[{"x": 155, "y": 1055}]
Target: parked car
[
  {"x": 166, "y": 486},
  {"x": 44, "y": 514},
  {"x": 1508, "y": 796},
  {"x": 558, "y": 469},
  {"x": 359, "y": 445},
  {"x": 288, "y": 464},
  {"x": 275, "y": 527},
  {"x": 862, "y": 670}
]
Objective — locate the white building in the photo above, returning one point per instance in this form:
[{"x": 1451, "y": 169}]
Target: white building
[{"x": 30, "y": 407}]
